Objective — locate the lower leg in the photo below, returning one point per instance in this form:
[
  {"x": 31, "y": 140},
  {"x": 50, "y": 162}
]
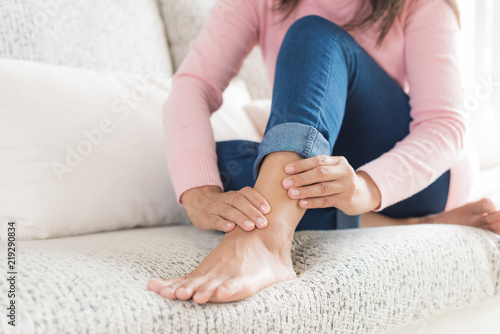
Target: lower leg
[
  {"x": 246, "y": 262},
  {"x": 482, "y": 214}
]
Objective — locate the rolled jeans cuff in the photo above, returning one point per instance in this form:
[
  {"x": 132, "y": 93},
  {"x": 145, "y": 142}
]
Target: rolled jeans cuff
[{"x": 305, "y": 140}]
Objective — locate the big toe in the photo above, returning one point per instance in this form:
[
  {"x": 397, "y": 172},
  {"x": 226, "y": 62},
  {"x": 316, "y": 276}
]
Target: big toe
[{"x": 156, "y": 285}]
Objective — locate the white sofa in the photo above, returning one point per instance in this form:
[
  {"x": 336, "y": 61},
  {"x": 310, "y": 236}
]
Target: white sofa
[{"x": 351, "y": 281}]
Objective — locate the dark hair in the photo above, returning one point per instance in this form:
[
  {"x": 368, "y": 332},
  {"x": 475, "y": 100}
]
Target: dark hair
[{"x": 384, "y": 10}]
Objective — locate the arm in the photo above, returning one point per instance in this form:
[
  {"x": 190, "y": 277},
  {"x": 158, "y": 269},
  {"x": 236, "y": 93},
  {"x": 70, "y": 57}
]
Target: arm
[
  {"x": 214, "y": 58},
  {"x": 436, "y": 138}
]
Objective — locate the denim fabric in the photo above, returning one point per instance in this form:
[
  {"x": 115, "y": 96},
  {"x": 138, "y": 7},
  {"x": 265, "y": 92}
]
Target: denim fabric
[{"x": 330, "y": 97}]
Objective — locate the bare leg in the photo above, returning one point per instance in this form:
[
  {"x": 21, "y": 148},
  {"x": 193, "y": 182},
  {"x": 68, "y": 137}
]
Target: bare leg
[
  {"x": 246, "y": 262},
  {"x": 482, "y": 214}
]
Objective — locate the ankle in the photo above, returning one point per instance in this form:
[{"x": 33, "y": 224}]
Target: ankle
[{"x": 277, "y": 237}]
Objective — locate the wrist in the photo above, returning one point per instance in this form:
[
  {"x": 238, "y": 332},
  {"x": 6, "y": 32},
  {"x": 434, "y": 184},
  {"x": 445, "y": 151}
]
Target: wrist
[
  {"x": 196, "y": 197},
  {"x": 373, "y": 196}
]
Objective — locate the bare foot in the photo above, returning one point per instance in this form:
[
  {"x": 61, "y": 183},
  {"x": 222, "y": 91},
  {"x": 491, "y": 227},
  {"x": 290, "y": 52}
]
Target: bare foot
[
  {"x": 242, "y": 264},
  {"x": 482, "y": 214},
  {"x": 246, "y": 262}
]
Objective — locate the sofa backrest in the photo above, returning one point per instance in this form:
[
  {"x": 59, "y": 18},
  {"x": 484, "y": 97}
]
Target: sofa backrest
[
  {"x": 184, "y": 21},
  {"x": 116, "y": 35}
]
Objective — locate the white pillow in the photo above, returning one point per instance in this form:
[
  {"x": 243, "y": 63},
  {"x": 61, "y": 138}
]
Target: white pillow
[
  {"x": 259, "y": 112},
  {"x": 231, "y": 120},
  {"x": 81, "y": 151}
]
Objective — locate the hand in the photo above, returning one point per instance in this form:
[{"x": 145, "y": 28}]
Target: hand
[
  {"x": 211, "y": 209},
  {"x": 325, "y": 181}
]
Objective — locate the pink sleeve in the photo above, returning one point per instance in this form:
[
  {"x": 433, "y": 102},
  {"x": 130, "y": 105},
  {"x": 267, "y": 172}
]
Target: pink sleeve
[
  {"x": 214, "y": 58},
  {"x": 436, "y": 138}
]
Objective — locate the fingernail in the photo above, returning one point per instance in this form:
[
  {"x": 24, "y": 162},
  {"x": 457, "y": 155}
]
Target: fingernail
[
  {"x": 247, "y": 224},
  {"x": 295, "y": 192},
  {"x": 229, "y": 226},
  {"x": 260, "y": 222},
  {"x": 264, "y": 208},
  {"x": 289, "y": 169},
  {"x": 288, "y": 183},
  {"x": 303, "y": 202}
]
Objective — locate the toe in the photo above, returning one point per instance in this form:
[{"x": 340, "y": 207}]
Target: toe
[
  {"x": 169, "y": 290},
  {"x": 485, "y": 205},
  {"x": 156, "y": 285},
  {"x": 188, "y": 288},
  {"x": 495, "y": 228},
  {"x": 205, "y": 291},
  {"x": 232, "y": 290},
  {"x": 227, "y": 289},
  {"x": 493, "y": 218}
]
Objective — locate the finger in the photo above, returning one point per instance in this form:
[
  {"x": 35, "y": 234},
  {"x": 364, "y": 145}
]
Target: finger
[
  {"x": 249, "y": 208},
  {"x": 222, "y": 224},
  {"x": 300, "y": 166},
  {"x": 315, "y": 175},
  {"x": 316, "y": 190},
  {"x": 318, "y": 202},
  {"x": 242, "y": 204},
  {"x": 234, "y": 215},
  {"x": 256, "y": 199}
]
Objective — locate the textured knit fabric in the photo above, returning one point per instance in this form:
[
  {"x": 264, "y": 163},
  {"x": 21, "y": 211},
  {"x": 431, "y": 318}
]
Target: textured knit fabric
[
  {"x": 117, "y": 35},
  {"x": 184, "y": 21},
  {"x": 350, "y": 282},
  {"x": 419, "y": 52}
]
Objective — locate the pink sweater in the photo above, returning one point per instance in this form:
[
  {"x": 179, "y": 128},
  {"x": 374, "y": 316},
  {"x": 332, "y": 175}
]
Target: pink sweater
[{"x": 419, "y": 52}]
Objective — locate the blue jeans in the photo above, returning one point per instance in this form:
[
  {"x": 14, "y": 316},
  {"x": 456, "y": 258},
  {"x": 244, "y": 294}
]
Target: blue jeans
[{"x": 330, "y": 98}]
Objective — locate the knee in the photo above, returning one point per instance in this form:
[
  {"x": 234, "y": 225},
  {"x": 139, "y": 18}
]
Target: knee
[{"x": 314, "y": 26}]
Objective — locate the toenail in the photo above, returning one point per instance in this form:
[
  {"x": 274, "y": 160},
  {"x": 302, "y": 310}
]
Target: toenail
[{"x": 260, "y": 222}]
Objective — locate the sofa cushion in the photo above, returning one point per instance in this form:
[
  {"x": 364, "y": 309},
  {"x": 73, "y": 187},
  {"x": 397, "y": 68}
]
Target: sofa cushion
[
  {"x": 184, "y": 21},
  {"x": 82, "y": 151},
  {"x": 86, "y": 147},
  {"x": 116, "y": 35},
  {"x": 350, "y": 281}
]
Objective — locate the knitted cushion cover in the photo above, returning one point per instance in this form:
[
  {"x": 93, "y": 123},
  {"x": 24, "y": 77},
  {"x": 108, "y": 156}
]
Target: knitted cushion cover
[
  {"x": 116, "y": 35},
  {"x": 184, "y": 21},
  {"x": 350, "y": 281}
]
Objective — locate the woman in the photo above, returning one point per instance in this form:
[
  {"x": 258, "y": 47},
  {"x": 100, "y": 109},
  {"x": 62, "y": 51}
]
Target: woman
[{"x": 365, "y": 120}]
